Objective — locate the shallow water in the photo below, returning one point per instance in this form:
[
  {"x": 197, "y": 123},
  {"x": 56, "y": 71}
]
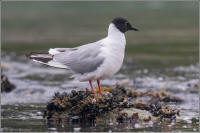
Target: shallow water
[{"x": 22, "y": 109}]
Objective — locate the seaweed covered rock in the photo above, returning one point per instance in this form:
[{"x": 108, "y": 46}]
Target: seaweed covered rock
[
  {"x": 83, "y": 105},
  {"x": 6, "y": 86}
]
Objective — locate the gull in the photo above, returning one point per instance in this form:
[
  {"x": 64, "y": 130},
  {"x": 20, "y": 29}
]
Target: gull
[{"x": 93, "y": 61}]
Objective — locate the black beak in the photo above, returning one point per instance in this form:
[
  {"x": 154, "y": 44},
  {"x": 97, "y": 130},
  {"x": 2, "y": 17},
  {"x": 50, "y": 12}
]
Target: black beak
[{"x": 133, "y": 28}]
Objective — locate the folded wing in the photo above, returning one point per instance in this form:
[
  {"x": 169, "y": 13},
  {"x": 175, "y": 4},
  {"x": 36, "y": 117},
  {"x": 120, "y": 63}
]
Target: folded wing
[{"x": 83, "y": 59}]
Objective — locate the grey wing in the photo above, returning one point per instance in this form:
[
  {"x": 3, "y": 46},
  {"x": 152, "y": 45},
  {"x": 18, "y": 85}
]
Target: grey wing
[{"x": 81, "y": 59}]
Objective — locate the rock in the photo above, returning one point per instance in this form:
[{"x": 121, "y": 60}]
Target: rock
[
  {"x": 6, "y": 86},
  {"x": 133, "y": 114},
  {"x": 119, "y": 104}
]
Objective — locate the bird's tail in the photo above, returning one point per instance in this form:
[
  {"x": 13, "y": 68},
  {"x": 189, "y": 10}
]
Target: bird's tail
[{"x": 45, "y": 58}]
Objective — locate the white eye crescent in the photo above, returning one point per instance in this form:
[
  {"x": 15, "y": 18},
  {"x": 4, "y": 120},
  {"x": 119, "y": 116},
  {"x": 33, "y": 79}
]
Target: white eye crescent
[{"x": 126, "y": 23}]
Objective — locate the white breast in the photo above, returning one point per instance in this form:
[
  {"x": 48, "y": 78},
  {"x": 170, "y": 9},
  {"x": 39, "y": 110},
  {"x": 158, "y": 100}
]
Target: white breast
[
  {"x": 113, "y": 50},
  {"x": 113, "y": 47}
]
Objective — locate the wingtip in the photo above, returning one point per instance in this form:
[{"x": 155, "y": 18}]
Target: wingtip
[{"x": 28, "y": 55}]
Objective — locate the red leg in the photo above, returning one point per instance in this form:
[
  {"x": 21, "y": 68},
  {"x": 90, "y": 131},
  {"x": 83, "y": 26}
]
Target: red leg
[
  {"x": 92, "y": 89},
  {"x": 99, "y": 86}
]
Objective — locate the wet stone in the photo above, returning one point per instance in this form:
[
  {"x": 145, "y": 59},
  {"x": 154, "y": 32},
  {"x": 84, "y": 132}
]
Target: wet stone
[
  {"x": 6, "y": 86},
  {"x": 82, "y": 106}
]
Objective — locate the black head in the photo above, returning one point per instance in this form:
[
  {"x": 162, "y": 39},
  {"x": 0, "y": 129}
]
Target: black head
[{"x": 122, "y": 24}]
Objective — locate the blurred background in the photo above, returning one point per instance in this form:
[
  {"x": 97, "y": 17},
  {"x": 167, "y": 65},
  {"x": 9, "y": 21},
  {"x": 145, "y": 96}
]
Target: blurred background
[
  {"x": 163, "y": 54},
  {"x": 168, "y": 30}
]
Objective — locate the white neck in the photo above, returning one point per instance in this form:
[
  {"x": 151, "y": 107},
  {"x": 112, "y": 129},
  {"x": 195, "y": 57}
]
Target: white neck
[{"x": 114, "y": 33}]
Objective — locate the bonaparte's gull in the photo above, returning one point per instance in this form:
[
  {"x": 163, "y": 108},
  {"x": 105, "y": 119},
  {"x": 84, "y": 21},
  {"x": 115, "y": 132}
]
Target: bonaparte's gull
[{"x": 93, "y": 61}]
